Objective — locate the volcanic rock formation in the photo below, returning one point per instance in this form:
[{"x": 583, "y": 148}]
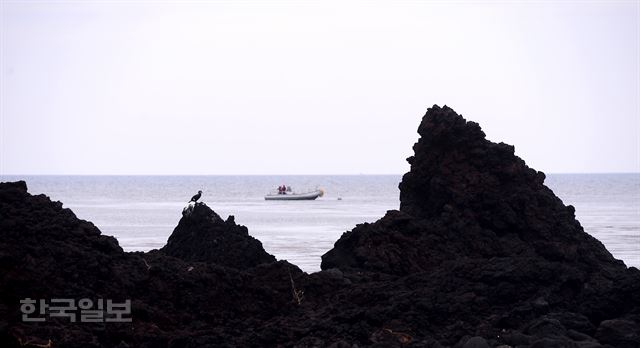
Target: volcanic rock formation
[
  {"x": 493, "y": 247},
  {"x": 47, "y": 253},
  {"x": 480, "y": 254},
  {"x": 204, "y": 236}
]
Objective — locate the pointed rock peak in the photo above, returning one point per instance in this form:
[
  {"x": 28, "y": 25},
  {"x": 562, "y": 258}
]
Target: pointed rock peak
[
  {"x": 455, "y": 167},
  {"x": 194, "y": 213},
  {"x": 468, "y": 198},
  {"x": 203, "y": 236},
  {"x": 445, "y": 125}
]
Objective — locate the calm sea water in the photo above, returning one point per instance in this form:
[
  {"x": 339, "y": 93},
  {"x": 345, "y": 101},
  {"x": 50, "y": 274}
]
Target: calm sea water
[{"x": 141, "y": 211}]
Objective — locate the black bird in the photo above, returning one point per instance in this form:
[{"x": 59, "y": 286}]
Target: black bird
[{"x": 196, "y": 197}]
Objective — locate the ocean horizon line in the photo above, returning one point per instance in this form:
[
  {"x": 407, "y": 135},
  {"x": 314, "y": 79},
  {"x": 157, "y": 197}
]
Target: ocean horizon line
[{"x": 262, "y": 175}]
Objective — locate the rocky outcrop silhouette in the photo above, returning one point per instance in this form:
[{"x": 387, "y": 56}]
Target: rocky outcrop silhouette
[
  {"x": 204, "y": 236},
  {"x": 480, "y": 254},
  {"x": 467, "y": 197},
  {"x": 46, "y": 252},
  {"x": 480, "y": 226}
]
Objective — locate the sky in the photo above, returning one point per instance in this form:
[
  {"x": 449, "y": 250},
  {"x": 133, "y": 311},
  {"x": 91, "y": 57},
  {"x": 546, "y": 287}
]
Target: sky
[{"x": 311, "y": 87}]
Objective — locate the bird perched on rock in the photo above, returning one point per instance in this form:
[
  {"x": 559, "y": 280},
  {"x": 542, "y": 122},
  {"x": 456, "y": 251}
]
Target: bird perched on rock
[{"x": 196, "y": 197}]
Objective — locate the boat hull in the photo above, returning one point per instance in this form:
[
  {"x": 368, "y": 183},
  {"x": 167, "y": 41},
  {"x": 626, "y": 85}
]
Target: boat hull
[{"x": 309, "y": 196}]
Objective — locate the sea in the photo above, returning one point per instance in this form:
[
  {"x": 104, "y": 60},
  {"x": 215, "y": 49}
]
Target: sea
[{"x": 142, "y": 211}]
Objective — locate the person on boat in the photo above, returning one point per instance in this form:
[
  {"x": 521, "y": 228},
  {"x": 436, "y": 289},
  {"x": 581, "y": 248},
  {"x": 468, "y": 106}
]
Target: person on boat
[{"x": 284, "y": 189}]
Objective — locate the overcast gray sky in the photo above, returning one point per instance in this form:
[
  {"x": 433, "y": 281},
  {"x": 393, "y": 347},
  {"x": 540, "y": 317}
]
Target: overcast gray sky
[{"x": 324, "y": 87}]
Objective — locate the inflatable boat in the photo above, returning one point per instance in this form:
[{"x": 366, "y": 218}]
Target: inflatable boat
[{"x": 293, "y": 196}]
